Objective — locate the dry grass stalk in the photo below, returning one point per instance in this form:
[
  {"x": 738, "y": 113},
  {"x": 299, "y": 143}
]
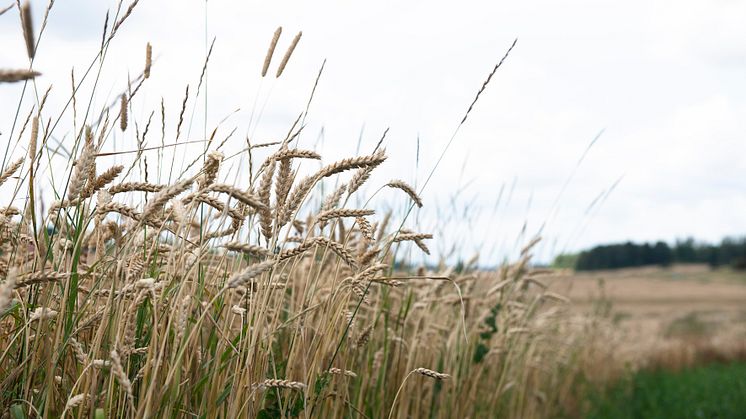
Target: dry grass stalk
[
  {"x": 148, "y": 60},
  {"x": 285, "y": 177},
  {"x": 13, "y": 76},
  {"x": 265, "y": 188},
  {"x": 123, "y": 113},
  {"x": 163, "y": 196},
  {"x": 556, "y": 297},
  {"x": 411, "y": 237},
  {"x": 135, "y": 186},
  {"x": 40, "y": 278},
  {"x": 271, "y": 50},
  {"x": 215, "y": 203},
  {"x": 77, "y": 400},
  {"x": 6, "y": 9},
  {"x": 119, "y": 208},
  {"x": 124, "y": 17},
  {"x": 295, "y": 153},
  {"x": 400, "y": 184},
  {"x": 364, "y": 337},
  {"x": 32, "y": 141},
  {"x": 277, "y": 383},
  {"x": 432, "y": 374},
  {"x": 106, "y": 177},
  {"x": 182, "y": 317},
  {"x": 365, "y": 228},
  {"x": 28, "y": 29},
  {"x": 353, "y": 163},
  {"x": 250, "y": 273},
  {"x": 339, "y": 249},
  {"x": 332, "y": 200},
  {"x": 371, "y": 271},
  {"x": 42, "y": 313},
  {"x": 79, "y": 351},
  {"x": 417, "y": 238},
  {"x": 242, "y": 197},
  {"x": 10, "y": 170},
  {"x": 171, "y": 289},
  {"x": 210, "y": 169},
  {"x": 288, "y": 53},
  {"x": 247, "y": 249},
  {"x": 81, "y": 171},
  {"x": 343, "y": 213},
  {"x": 118, "y": 371},
  {"x": 346, "y": 373}
]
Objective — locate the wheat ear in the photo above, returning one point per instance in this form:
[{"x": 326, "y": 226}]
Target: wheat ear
[
  {"x": 288, "y": 53},
  {"x": 400, "y": 184},
  {"x": 123, "y": 113},
  {"x": 148, "y": 60},
  {"x": 28, "y": 28},
  {"x": 12, "y": 76},
  {"x": 271, "y": 50}
]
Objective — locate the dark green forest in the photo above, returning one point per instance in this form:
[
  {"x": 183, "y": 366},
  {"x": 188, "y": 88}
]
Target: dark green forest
[{"x": 729, "y": 252}]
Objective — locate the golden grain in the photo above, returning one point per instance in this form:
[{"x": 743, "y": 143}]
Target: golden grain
[
  {"x": 271, "y": 50},
  {"x": 123, "y": 113},
  {"x": 288, "y": 53}
]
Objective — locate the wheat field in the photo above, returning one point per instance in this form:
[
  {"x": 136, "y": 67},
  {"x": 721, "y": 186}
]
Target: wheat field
[{"x": 280, "y": 295}]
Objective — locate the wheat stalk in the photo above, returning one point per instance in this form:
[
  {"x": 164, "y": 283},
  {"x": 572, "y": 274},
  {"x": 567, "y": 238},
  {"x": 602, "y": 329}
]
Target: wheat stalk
[
  {"x": 249, "y": 273},
  {"x": 346, "y": 373},
  {"x": 247, "y": 249},
  {"x": 123, "y": 113},
  {"x": 240, "y": 196},
  {"x": 10, "y": 170},
  {"x": 28, "y": 28},
  {"x": 277, "y": 383},
  {"x": 12, "y": 76},
  {"x": 148, "y": 60},
  {"x": 342, "y": 213},
  {"x": 163, "y": 196},
  {"x": 288, "y": 53},
  {"x": 271, "y": 50},
  {"x": 135, "y": 186},
  {"x": 400, "y": 184}
]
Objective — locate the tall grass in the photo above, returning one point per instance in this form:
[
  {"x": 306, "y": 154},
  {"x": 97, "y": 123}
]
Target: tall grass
[{"x": 120, "y": 297}]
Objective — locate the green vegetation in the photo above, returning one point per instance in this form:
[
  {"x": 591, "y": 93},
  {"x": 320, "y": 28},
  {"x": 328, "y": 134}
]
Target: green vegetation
[
  {"x": 730, "y": 252},
  {"x": 714, "y": 391}
]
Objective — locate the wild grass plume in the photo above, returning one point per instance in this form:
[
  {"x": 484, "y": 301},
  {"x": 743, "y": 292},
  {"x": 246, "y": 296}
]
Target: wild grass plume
[{"x": 141, "y": 290}]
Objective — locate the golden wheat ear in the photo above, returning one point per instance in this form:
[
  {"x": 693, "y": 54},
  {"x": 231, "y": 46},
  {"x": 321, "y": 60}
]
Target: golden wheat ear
[
  {"x": 123, "y": 113},
  {"x": 289, "y": 52},
  {"x": 271, "y": 50}
]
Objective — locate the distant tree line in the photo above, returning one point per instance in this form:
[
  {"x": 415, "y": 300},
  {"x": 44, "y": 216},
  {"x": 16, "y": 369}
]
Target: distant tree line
[{"x": 730, "y": 252}]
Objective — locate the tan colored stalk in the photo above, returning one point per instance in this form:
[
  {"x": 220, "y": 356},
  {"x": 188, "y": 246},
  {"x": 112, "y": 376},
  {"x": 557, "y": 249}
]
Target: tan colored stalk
[
  {"x": 288, "y": 53},
  {"x": 123, "y": 113},
  {"x": 271, "y": 50},
  {"x": 13, "y": 76},
  {"x": 148, "y": 60},
  {"x": 28, "y": 28},
  {"x": 400, "y": 184}
]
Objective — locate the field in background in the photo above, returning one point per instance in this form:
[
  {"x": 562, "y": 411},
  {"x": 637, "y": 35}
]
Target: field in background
[
  {"x": 674, "y": 340},
  {"x": 659, "y": 307}
]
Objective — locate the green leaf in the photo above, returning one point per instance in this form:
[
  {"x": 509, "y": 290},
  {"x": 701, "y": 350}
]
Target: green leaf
[{"x": 16, "y": 411}]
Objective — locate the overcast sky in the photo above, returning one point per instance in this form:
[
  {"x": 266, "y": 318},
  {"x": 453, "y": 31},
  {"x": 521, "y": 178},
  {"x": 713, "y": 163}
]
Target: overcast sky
[{"x": 663, "y": 80}]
